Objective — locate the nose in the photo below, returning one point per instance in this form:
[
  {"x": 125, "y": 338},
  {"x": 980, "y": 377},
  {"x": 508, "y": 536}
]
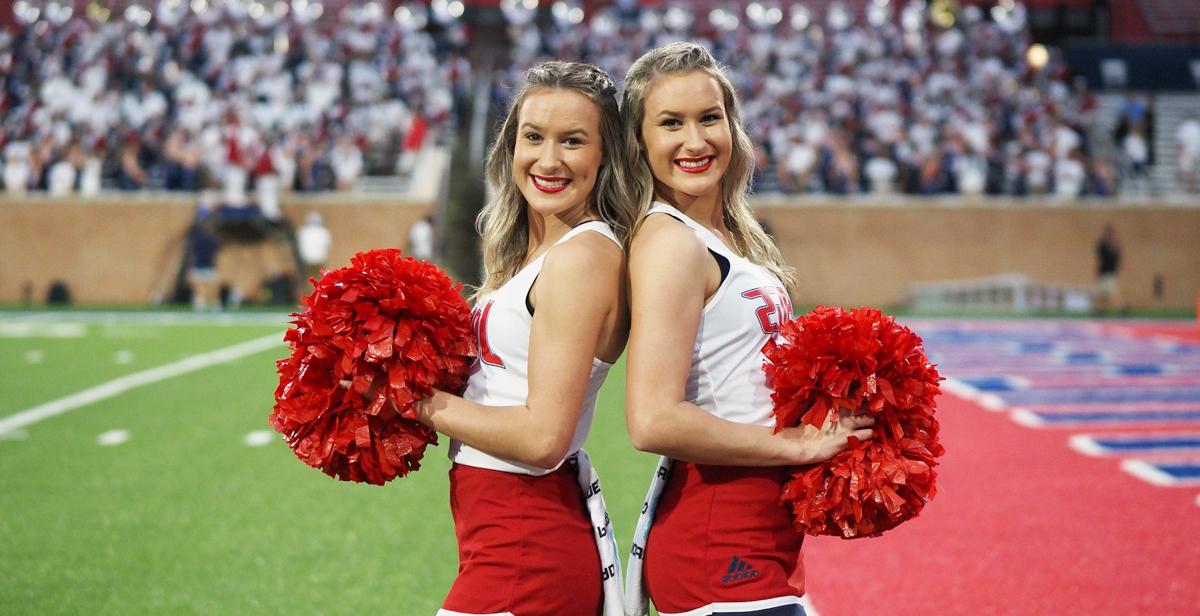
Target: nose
[
  {"x": 693, "y": 138},
  {"x": 549, "y": 158}
]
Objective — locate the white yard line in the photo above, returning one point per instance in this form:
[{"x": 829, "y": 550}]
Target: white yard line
[{"x": 138, "y": 379}]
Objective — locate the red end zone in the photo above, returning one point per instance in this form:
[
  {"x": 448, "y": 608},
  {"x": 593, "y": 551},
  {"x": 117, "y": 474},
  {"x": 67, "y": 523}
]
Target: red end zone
[{"x": 1021, "y": 525}]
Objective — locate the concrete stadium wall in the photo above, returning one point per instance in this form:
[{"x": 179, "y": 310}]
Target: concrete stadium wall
[
  {"x": 866, "y": 253},
  {"x": 125, "y": 249}
]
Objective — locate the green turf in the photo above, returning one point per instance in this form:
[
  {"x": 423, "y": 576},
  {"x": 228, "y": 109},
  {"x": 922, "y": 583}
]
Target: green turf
[{"x": 183, "y": 518}]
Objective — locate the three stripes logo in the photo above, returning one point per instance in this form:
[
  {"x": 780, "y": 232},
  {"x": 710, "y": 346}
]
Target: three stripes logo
[{"x": 738, "y": 570}]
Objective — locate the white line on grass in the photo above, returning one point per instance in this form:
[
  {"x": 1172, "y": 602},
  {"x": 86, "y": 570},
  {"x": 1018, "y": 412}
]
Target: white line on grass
[
  {"x": 112, "y": 438},
  {"x": 35, "y": 356},
  {"x": 259, "y": 438},
  {"x": 123, "y": 356},
  {"x": 138, "y": 379}
]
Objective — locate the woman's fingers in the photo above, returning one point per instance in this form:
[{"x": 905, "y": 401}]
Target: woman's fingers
[{"x": 863, "y": 434}]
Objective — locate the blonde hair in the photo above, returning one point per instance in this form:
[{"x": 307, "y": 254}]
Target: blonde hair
[
  {"x": 676, "y": 58},
  {"x": 502, "y": 223}
]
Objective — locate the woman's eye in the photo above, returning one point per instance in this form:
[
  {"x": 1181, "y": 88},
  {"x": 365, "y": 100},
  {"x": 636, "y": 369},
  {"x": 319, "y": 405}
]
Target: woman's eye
[
  {"x": 533, "y": 137},
  {"x": 672, "y": 123},
  {"x": 572, "y": 142},
  {"x": 710, "y": 118}
]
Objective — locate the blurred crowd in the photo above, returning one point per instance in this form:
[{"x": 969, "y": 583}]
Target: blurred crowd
[
  {"x": 193, "y": 97},
  {"x": 897, "y": 99}
]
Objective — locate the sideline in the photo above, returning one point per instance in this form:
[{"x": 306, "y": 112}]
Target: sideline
[{"x": 138, "y": 379}]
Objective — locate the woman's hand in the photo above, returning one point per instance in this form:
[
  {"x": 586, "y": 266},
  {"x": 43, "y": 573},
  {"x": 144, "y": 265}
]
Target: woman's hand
[{"x": 810, "y": 445}]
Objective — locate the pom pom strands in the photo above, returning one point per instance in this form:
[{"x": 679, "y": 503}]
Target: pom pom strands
[
  {"x": 393, "y": 327},
  {"x": 830, "y": 359}
]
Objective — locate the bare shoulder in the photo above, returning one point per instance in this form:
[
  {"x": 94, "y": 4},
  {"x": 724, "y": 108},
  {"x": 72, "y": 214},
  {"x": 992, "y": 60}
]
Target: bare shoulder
[
  {"x": 664, "y": 239},
  {"x": 586, "y": 254},
  {"x": 587, "y": 259}
]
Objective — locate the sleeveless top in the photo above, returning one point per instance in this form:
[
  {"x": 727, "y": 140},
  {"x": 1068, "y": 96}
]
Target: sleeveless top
[
  {"x": 500, "y": 376},
  {"x": 726, "y": 376}
]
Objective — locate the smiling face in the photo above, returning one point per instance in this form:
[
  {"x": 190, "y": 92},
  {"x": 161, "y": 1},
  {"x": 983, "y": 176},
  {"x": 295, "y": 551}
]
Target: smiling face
[
  {"x": 558, "y": 152},
  {"x": 686, "y": 134}
]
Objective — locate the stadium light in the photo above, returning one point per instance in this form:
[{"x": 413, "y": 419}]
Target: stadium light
[
  {"x": 1037, "y": 56},
  {"x": 774, "y": 15},
  {"x": 575, "y": 16},
  {"x": 530, "y": 5},
  {"x": 199, "y": 6},
  {"x": 456, "y": 9}
]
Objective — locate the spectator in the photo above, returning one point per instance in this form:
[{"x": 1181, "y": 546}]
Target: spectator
[
  {"x": 420, "y": 239},
  {"x": 202, "y": 248},
  {"x": 313, "y": 241},
  {"x": 1108, "y": 264},
  {"x": 1187, "y": 140}
]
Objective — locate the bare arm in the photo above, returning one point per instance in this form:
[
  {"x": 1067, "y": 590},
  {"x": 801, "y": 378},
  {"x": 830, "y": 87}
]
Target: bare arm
[
  {"x": 576, "y": 289},
  {"x": 671, "y": 274}
]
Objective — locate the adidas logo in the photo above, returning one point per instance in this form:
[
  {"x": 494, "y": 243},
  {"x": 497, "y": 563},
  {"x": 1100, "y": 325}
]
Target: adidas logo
[{"x": 738, "y": 570}]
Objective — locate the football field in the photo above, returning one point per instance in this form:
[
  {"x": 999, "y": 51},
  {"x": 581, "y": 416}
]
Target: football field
[
  {"x": 174, "y": 495},
  {"x": 138, "y": 475}
]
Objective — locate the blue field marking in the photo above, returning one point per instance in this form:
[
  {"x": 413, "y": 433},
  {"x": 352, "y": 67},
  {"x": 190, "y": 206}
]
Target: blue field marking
[
  {"x": 1135, "y": 443},
  {"x": 996, "y": 383},
  {"x": 1105, "y": 417},
  {"x": 1165, "y": 473},
  {"x": 1139, "y": 370},
  {"x": 1083, "y": 357},
  {"x": 1096, "y": 395}
]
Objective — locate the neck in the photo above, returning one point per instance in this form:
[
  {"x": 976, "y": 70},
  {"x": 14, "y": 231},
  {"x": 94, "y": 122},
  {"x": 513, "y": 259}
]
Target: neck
[
  {"x": 544, "y": 231},
  {"x": 705, "y": 209}
]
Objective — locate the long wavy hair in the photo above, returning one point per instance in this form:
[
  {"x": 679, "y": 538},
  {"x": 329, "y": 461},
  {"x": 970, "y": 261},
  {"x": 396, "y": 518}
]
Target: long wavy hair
[
  {"x": 676, "y": 58},
  {"x": 503, "y": 223}
]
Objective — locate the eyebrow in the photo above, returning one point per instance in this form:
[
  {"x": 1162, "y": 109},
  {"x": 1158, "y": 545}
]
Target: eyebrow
[
  {"x": 669, "y": 112},
  {"x": 573, "y": 131}
]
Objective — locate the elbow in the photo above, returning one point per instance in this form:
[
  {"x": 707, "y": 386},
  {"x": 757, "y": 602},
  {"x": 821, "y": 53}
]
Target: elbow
[
  {"x": 547, "y": 453},
  {"x": 642, "y": 431}
]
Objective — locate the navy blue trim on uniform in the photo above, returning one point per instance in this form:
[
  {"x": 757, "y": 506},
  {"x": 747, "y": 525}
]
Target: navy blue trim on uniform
[
  {"x": 782, "y": 610},
  {"x": 722, "y": 263}
]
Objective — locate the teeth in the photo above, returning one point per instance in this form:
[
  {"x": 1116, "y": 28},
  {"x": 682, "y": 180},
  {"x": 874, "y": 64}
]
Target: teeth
[
  {"x": 549, "y": 184},
  {"x": 693, "y": 164}
]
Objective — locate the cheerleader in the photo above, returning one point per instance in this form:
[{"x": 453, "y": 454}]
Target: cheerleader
[
  {"x": 708, "y": 290},
  {"x": 550, "y": 318}
]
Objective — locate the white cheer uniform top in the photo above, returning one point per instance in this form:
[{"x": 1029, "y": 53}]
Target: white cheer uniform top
[
  {"x": 500, "y": 376},
  {"x": 726, "y": 377}
]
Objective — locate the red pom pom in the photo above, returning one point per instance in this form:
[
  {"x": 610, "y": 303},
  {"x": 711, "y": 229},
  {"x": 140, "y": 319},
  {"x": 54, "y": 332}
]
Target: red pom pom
[
  {"x": 832, "y": 358},
  {"x": 388, "y": 324}
]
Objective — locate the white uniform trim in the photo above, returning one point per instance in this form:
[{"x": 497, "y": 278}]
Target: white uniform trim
[
  {"x": 504, "y": 322},
  {"x": 444, "y": 612},
  {"x": 725, "y": 379},
  {"x": 740, "y": 606}
]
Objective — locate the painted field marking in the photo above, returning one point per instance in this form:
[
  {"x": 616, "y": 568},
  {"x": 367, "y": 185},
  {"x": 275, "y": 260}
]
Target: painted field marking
[
  {"x": 14, "y": 435},
  {"x": 1135, "y": 443},
  {"x": 260, "y": 438},
  {"x": 27, "y": 329},
  {"x": 112, "y": 438},
  {"x": 123, "y": 357},
  {"x": 1049, "y": 419},
  {"x": 35, "y": 356},
  {"x": 138, "y": 379},
  {"x": 1169, "y": 473}
]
